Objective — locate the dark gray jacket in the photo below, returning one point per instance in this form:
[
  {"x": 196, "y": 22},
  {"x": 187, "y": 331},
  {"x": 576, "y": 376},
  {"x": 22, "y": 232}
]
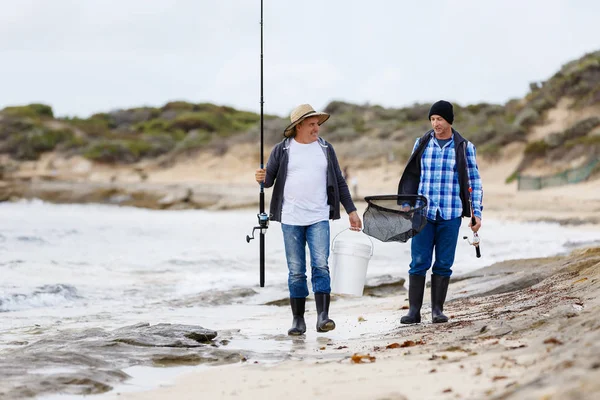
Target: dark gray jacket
[{"x": 337, "y": 189}]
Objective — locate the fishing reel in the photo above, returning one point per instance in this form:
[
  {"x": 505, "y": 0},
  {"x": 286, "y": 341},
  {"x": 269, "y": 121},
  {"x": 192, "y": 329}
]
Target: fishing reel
[
  {"x": 263, "y": 225},
  {"x": 475, "y": 243}
]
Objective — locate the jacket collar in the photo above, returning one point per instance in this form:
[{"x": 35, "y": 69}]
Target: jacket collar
[{"x": 287, "y": 142}]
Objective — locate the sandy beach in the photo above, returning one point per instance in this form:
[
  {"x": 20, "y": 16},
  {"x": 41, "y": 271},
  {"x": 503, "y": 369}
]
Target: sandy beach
[
  {"x": 522, "y": 329},
  {"x": 534, "y": 335}
]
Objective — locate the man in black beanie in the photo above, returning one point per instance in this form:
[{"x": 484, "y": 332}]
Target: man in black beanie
[{"x": 442, "y": 167}]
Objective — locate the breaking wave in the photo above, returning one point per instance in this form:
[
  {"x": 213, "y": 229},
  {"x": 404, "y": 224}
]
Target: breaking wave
[{"x": 43, "y": 296}]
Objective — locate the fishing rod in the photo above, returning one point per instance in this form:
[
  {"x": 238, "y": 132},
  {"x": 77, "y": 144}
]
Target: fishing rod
[
  {"x": 476, "y": 239},
  {"x": 263, "y": 218}
]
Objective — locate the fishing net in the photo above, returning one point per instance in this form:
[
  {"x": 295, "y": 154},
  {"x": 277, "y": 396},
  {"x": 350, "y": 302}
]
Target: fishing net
[{"x": 394, "y": 218}]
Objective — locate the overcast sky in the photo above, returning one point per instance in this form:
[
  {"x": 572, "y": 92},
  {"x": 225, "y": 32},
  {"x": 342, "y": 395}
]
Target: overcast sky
[{"x": 88, "y": 56}]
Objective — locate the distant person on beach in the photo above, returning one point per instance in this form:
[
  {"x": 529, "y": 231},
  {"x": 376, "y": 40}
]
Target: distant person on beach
[
  {"x": 442, "y": 167},
  {"x": 309, "y": 188}
]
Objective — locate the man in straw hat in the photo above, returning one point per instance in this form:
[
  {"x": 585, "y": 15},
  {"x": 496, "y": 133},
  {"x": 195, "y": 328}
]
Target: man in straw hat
[
  {"x": 443, "y": 168},
  {"x": 308, "y": 190}
]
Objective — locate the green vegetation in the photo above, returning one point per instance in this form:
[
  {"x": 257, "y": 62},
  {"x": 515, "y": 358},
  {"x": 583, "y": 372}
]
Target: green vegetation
[
  {"x": 537, "y": 149},
  {"x": 512, "y": 177},
  {"x": 29, "y": 111},
  {"x": 128, "y": 136},
  {"x": 27, "y": 145},
  {"x": 577, "y": 79},
  {"x": 122, "y": 136}
]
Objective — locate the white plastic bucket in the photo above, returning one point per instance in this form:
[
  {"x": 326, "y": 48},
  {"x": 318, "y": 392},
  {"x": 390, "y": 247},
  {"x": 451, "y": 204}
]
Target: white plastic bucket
[{"x": 349, "y": 264}]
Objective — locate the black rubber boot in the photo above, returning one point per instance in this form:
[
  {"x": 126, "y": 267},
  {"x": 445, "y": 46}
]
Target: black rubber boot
[
  {"x": 416, "y": 287},
  {"x": 324, "y": 324},
  {"x": 439, "y": 288},
  {"x": 298, "y": 325}
]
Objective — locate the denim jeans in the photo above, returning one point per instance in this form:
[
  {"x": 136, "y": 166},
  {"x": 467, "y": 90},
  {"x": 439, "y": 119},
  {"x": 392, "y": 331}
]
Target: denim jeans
[
  {"x": 295, "y": 239},
  {"x": 438, "y": 234}
]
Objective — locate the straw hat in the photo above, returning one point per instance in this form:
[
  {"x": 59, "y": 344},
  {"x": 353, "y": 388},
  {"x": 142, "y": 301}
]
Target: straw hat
[{"x": 299, "y": 114}]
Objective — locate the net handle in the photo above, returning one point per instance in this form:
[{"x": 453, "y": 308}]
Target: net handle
[{"x": 339, "y": 233}]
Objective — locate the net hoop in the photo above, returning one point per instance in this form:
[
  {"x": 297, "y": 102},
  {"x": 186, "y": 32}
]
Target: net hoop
[
  {"x": 394, "y": 218},
  {"x": 410, "y": 198}
]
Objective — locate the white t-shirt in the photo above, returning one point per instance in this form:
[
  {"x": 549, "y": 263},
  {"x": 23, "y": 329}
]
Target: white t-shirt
[{"x": 305, "y": 191}]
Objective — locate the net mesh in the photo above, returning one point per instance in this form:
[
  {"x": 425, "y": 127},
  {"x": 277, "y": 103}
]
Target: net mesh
[{"x": 394, "y": 218}]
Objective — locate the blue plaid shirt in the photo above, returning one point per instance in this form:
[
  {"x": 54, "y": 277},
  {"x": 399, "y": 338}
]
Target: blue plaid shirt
[{"x": 439, "y": 180}]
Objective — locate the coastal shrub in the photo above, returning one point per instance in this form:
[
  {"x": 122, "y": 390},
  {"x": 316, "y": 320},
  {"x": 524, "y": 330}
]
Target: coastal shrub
[
  {"x": 593, "y": 98},
  {"x": 168, "y": 115},
  {"x": 73, "y": 143},
  {"x": 129, "y": 117},
  {"x": 31, "y": 111},
  {"x": 480, "y": 108},
  {"x": 12, "y": 125},
  {"x": 490, "y": 150},
  {"x": 380, "y": 113},
  {"x": 512, "y": 108},
  {"x": 28, "y": 145},
  {"x": 418, "y": 112},
  {"x": 159, "y": 126},
  {"x": 383, "y": 129},
  {"x": 159, "y": 144},
  {"x": 105, "y": 118},
  {"x": 194, "y": 140},
  {"x": 574, "y": 135},
  {"x": 359, "y": 125},
  {"x": 526, "y": 118},
  {"x": 178, "y": 106},
  {"x": 512, "y": 177},
  {"x": 590, "y": 141},
  {"x": 537, "y": 148},
  {"x": 152, "y": 126},
  {"x": 414, "y": 130},
  {"x": 338, "y": 107},
  {"x": 108, "y": 152},
  {"x": 245, "y": 119},
  {"x": 121, "y": 151},
  {"x": 195, "y": 120},
  {"x": 209, "y": 107},
  {"x": 96, "y": 126},
  {"x": 341, "y": 134},
  {"x": 577, "y": 79},
  {"x": 581, "y": 128},
  {"x": 220, "y": 122},
  {"x": 499, "y": 133},
  {"x": 176, "y": 134}
]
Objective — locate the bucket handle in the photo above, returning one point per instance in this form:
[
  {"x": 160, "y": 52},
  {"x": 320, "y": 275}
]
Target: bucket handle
[{"x": 335, "y": 237}]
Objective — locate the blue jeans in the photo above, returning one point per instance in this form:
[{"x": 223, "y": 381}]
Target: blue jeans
[
  {"x": 295, "y": 239},
  {"x": 438, "y": 234}
]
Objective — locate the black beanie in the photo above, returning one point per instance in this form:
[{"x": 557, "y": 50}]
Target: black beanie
[{"x": 443, "y": 109}]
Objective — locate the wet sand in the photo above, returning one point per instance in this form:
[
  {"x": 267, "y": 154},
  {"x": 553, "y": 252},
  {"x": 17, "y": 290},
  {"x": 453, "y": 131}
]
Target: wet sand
[
  {"x": 521, "y": 329},
  {"x": 524, "y": 329}
]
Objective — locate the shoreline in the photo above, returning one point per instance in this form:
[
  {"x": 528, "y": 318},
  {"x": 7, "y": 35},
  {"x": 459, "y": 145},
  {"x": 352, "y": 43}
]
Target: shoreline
[
  {"x": 551, "y": 205},
  {"x": 533, "y": 334},
  {"x": 368, "y": 325},
  {"x": 522, "y": 342}
]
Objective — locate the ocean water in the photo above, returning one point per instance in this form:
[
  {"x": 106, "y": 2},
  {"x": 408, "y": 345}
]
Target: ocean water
[{"x": 76, "y": 267}]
